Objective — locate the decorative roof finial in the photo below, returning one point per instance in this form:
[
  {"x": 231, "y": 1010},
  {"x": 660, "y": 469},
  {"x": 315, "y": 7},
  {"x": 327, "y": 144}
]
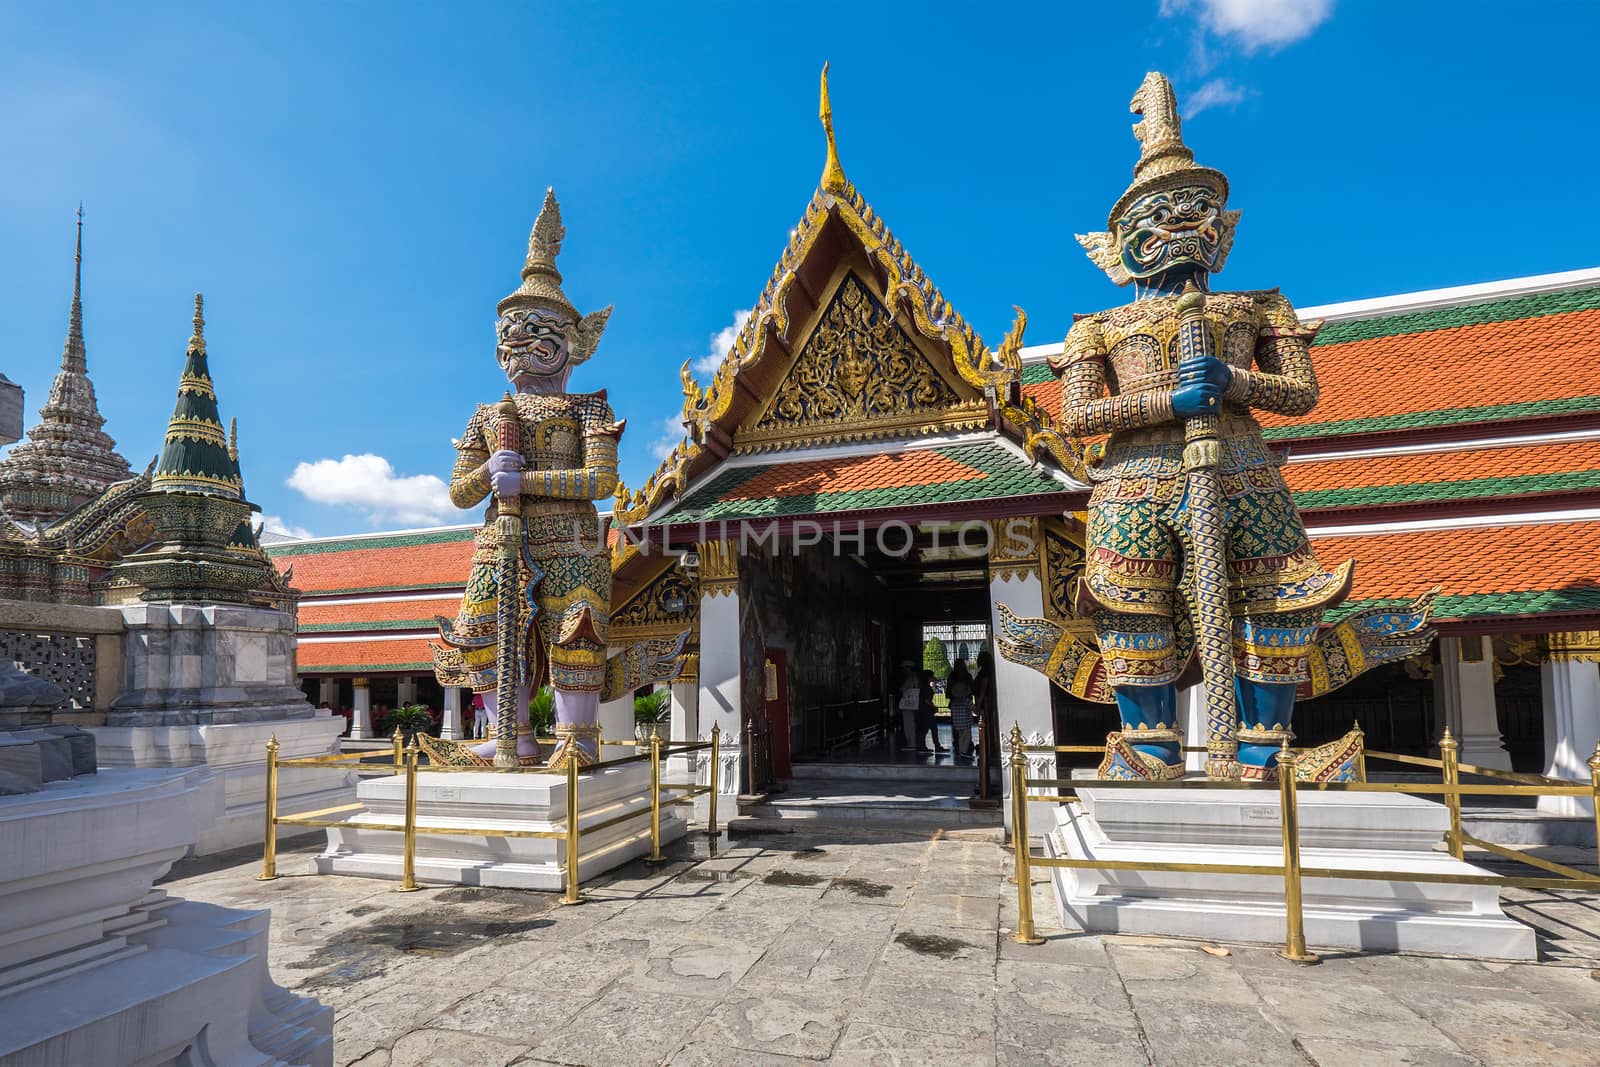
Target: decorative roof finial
[
  {"x": 197, "y": 340},
  {"x": 833, "y": 180}
]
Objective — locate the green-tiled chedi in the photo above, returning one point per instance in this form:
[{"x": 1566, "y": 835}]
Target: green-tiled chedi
[{"x": 206, "y": 549}]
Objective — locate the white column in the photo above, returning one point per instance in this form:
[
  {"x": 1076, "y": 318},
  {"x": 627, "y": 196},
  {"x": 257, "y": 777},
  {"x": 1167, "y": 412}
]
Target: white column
[
  {"x": 1464, "y": 686},
  {"x": 1022, "y": 694},
  {"x": 361, "y": 705},
  {"x": 1192, "y": 713},
  {"x": 616, "y": 724},
  {"x": 685, "y": 724},
  {"x": 719, "y": 693},
  {"x": 450, "y": 729},
  {"x": 1571, "y": 728},
  {"x": 328, "y": 691},
  {"x": 406, "y": 692}
]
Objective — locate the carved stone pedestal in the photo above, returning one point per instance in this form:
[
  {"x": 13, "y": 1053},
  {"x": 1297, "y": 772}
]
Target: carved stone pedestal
[
  {"x": 208, "y": 685},
  {"x": 505, "y": 801},
  {"x": 1357, "y": 831}
]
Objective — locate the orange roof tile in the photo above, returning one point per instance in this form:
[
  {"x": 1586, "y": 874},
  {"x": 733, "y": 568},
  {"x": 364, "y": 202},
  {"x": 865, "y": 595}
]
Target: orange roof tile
[
  {"x": 405, "y": 561},
  {"x": 1526, "y": 568},
  {"x": 352, "y": 657},
  {"x": 1493, "y": 363},
  {"x": 382, "y": 614},
  {"x": 892, "y": 470}
]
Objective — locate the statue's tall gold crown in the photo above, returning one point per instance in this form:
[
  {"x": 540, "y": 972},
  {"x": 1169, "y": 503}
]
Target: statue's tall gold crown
[
  {"x": 1164, "y": 160},
  {"x": 541, "y": 281}
]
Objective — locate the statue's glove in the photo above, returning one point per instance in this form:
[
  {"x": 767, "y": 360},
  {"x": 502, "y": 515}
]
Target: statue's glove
[
  {"x": 505, "y": 472},
  {"x": 1201, "y": 382}
]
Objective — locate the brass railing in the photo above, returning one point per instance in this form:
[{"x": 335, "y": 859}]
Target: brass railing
[
  {"x": 404, "y": 762},
  {"x": 1450, "y": 788}
]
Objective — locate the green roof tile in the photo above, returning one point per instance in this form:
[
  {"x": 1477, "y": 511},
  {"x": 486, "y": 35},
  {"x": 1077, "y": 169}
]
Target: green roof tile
[{"x": 1532, "y": 306}]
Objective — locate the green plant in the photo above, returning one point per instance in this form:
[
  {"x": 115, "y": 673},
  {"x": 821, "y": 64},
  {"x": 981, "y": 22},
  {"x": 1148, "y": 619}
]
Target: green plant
[
  {"x": 410, "y": 718},
  {"x": 653, "y": 707},
  {"x": 542, "y": 711},
  {"x": 935, "y": 659}
]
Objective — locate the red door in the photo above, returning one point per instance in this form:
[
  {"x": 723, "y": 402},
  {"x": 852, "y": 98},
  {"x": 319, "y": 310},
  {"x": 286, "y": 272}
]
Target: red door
[{"x": 777, "y": 681}]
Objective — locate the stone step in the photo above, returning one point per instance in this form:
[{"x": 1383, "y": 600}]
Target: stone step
[
  {"x": 962, "y": 775},
  {"x": 865, "y": 803}
]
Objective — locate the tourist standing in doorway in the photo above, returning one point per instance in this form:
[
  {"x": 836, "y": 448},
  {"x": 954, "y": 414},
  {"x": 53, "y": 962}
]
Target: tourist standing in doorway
[
  {"x": 908, "y": 699},
  {"x": 926, "y": 723},
  {"x": 958, "y": 687},
  {"x": 983, "y": 704},
  {"x": 480, "y": 720}
]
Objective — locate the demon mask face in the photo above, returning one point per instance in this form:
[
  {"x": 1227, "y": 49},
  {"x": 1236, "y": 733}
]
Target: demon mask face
[{"x": 533, "y": 344}]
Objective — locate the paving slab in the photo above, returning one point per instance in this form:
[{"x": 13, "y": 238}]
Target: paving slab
[{"x": 861, "y": 947}]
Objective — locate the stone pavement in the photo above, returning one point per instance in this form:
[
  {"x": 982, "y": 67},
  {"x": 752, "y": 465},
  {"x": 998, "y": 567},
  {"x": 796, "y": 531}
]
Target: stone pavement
[{"x": 857, "y": 948}]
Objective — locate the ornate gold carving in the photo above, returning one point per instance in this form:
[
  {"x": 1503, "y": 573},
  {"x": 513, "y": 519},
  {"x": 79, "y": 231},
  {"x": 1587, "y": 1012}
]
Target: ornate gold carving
[
  {"x": 1016, "y": 548},
  {"x": 719, "y": 568},
  {"x": 690, "y": 669},
  {"x": 859, "y": 370},
  {"x": 667, "y": 605},
  {"x": 1580, "y": 645},
  {"x": 1063, "y": 563}
]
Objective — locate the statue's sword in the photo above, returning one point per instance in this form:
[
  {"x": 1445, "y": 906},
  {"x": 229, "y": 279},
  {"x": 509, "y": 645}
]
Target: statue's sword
[
  {"x": 508, "y": 600},
  {"x": 1208, "y": 561}
]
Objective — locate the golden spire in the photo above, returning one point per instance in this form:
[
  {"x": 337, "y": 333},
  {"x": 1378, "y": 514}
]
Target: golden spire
[
  {"x": 833, "y": 180},
  {"x": 197, "y": 340}
]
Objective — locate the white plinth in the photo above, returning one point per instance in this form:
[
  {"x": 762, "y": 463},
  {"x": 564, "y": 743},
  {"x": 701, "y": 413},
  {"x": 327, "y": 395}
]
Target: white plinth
[
  {"x": 472, "y": 800},
  {"x": 239, "y": 752},
  {"x": 98, "y": 967},
  {"x": 1339, "y": 831}
]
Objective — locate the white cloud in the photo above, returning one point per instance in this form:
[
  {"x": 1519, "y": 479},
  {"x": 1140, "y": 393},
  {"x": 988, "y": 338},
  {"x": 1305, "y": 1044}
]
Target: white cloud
[
  {"x": 721, "y": 341},
  {"x": 671, "y": 435},
  {"x": 276, "y": 527},
  {"x": 1218, "y": 92},
  {"x": 1255, "y": 23},
  {"x": 368, "y": 483}
]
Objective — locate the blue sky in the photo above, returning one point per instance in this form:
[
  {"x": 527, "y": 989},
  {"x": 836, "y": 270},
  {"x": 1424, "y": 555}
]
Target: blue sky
[{"x": 351, "y": 185}]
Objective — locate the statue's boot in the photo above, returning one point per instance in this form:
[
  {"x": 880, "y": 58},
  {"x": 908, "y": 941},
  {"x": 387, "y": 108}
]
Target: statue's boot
[
  {"x": 1265, "y": 712},
  {"x": 577, "y": 729},
  {"x": 528, "y": 751},
  {"x": 1149, "y": 747}
]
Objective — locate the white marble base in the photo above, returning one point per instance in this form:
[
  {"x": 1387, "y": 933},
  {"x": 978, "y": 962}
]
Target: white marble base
[
  {"x": 239, "y": 752},
  {"x": 504, "y": 801},
  {"x": 1350, "y": 831},
  {"x": 98, "y": 967}
]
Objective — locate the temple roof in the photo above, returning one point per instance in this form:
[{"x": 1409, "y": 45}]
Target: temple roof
[
  {"x": 846, "y": 309},
  {"x": 907, "y": 480},
  {"x": 67, "y": 459}
]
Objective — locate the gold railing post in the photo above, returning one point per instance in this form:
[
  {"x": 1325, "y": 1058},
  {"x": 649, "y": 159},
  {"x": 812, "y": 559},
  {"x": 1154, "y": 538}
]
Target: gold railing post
[
  {"x": 572, "y": 895},
  {"x": 716, "y": 761},
  {"x": 399, "y": 753},
  {"x": 269, "y": 841},
  {"x": 1449, "y": 747},
  {"x": 1294, "y": 944},
  {"x": 1594, "y": 781},
  {"x": 1025, "y": 934},
  {"x": 655, "y": 798},
  {"x": 408, "y": 861}
]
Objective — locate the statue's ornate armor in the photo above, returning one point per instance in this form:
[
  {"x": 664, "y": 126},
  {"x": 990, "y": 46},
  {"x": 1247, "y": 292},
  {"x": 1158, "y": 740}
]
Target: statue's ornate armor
[
  {"x": 569, "y": 449},
  {"x": 1137, "y": 529}
]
